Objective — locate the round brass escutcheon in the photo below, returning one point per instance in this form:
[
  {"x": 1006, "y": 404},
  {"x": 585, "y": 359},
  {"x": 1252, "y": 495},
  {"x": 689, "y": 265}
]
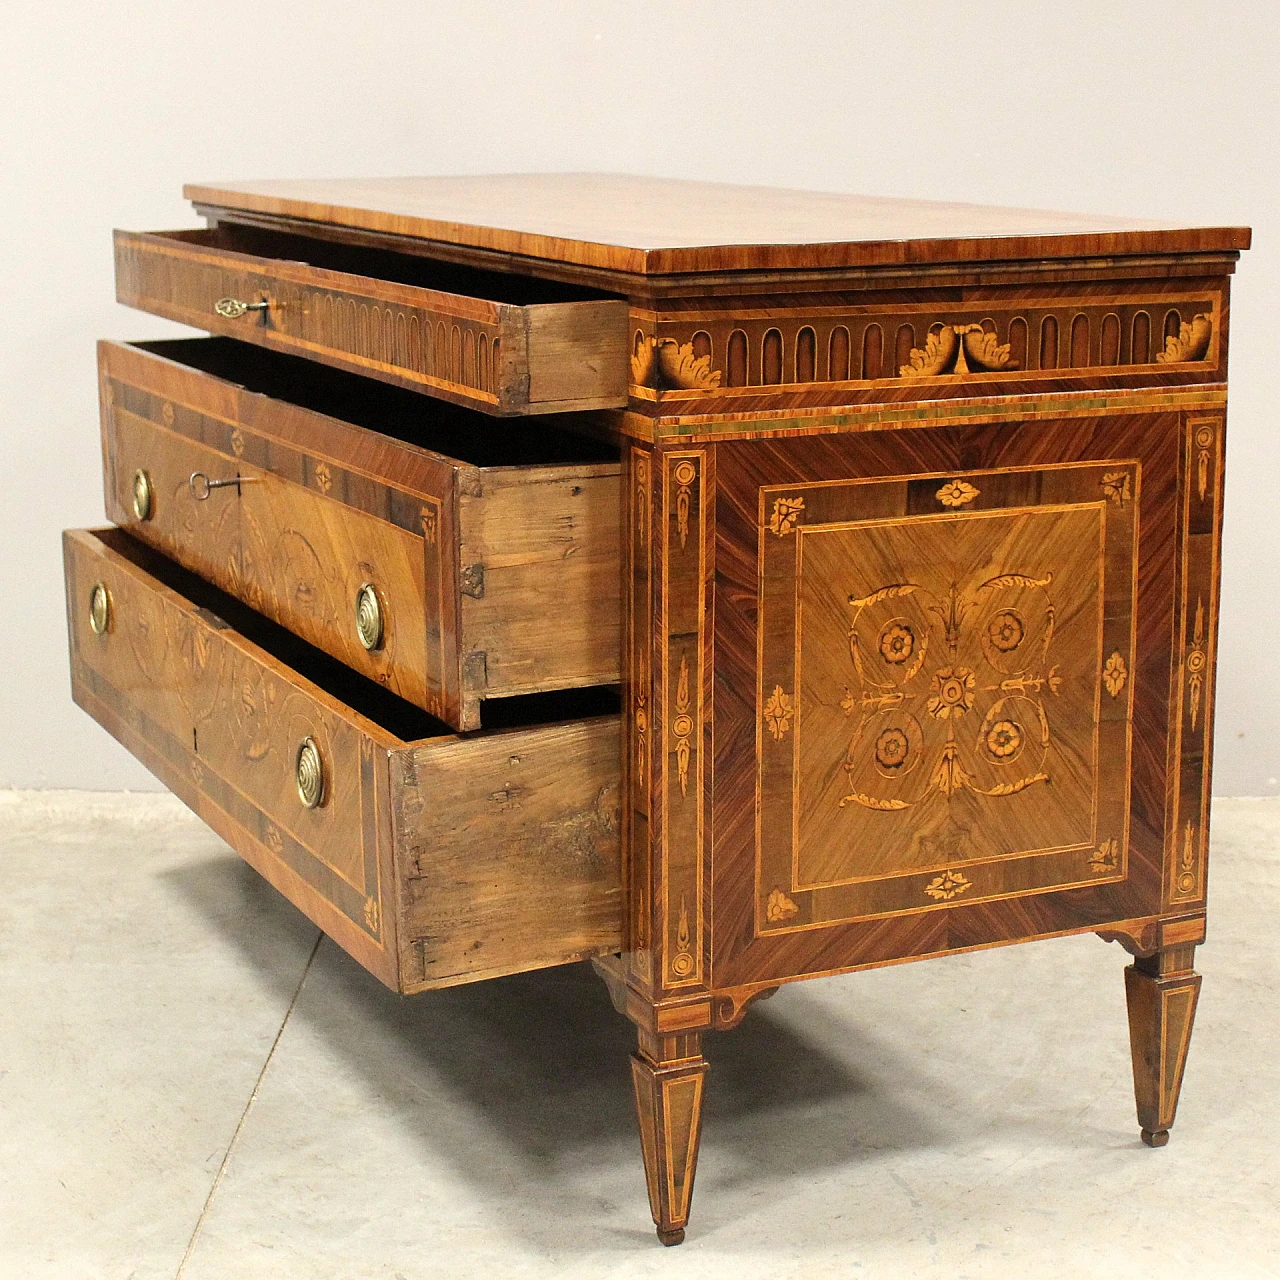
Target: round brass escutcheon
[
  {"x": 99, "y": 609},
  {"x": 142, "y": 494},
  {"x": 309, "y": 772},
  {"x": 369, "y": 623}
]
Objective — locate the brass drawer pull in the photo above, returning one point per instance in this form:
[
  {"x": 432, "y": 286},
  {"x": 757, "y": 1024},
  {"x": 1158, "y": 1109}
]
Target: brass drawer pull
[
  {"x": 309, "y": 773},
  {"x": 201, "y": 486},
  {"x": 143, "y": 495},
  {"x": 99, "y": 609},
  {"x": 369, "y": 616},
  {"x": 233, "y": 308}
]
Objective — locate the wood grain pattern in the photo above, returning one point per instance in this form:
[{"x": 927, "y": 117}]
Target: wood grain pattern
[
  {"x": 663, "y": 225},
  {"x": 912, "y": 554},
  {"x": 507, "y": 851},
  {"x": 227, "y": 717},
  {"x": 492, "y": 356},
  {"x": 462, "y": 556},
  {"x": 418, "y": 860},
  {"x": 541, "y": 607}
]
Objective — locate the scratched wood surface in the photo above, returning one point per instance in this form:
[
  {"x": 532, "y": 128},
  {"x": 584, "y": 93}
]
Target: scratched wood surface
[{"x": 432, "y": 862}]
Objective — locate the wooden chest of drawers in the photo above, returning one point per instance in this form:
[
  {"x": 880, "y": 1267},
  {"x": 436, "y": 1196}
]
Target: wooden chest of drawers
[{"x": 732, "y": 586}]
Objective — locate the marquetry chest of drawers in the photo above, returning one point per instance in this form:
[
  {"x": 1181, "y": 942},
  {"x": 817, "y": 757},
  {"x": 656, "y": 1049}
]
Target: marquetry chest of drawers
[{"x": 732, "y": 586}]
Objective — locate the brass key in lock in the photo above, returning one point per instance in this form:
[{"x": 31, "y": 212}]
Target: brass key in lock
[
  {"x": 233, "y": 308},
  {"x": 201, "y": 486}
]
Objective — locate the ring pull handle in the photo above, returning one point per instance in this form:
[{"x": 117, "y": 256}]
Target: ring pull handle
[
  {"x": 233, "y": 308},
  {"x": 201, "y": 486},
  {"x": 309, "y": 774}
]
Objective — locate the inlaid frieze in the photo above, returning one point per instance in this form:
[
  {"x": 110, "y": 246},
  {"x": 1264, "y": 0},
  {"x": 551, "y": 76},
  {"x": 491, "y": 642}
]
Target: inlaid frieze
[{"x": 721, "y": 354}]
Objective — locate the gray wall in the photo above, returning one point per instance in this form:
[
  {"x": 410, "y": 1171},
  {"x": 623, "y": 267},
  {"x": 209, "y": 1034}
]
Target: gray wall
[{"x": 1167, "y": 109}]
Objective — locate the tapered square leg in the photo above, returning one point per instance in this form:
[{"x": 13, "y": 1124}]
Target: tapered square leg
[
  {"x": 668, "y": 1074},
  {"x": 1162, "y": 991}
]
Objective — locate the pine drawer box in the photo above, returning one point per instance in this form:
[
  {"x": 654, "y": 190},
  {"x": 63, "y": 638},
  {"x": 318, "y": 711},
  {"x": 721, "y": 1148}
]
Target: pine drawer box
[{"x": 846, "y": 592}]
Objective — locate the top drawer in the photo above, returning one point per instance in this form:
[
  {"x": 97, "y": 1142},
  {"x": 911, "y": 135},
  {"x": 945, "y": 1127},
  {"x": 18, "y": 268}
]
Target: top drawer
[{"x": 503, "y": 344}]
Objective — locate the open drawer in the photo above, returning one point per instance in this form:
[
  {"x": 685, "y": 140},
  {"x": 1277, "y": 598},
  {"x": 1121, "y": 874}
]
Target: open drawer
[
  {"x": 432, "y": 859},
  {"x": 501, "y": 344},
  {"x": 420, "y": 546}
]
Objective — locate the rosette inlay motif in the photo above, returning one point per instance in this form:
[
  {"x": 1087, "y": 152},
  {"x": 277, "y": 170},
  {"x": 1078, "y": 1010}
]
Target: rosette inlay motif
[{"x": 952, "y": 691}]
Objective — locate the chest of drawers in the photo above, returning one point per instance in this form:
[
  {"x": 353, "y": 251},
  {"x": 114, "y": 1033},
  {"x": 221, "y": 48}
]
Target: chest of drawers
[{"x": 731, "y": 586}]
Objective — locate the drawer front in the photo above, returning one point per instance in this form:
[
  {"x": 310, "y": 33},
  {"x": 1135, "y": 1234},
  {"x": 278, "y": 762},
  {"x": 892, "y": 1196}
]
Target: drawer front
[
  {"x": 282, "y": 540},
  {"x": 460, "y": 559},
  {"x": 432, "y": 861},
  {"x": 493, "y": 356},
  {"x": 221, "y": 724}
]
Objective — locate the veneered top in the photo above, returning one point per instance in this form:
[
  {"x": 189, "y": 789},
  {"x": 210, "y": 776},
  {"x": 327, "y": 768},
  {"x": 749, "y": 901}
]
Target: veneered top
[{"x": 658, "y": 226}]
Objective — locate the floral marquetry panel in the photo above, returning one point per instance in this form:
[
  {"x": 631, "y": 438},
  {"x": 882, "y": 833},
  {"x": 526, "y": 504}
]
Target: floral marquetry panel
[{"x": 942, "y": 644}]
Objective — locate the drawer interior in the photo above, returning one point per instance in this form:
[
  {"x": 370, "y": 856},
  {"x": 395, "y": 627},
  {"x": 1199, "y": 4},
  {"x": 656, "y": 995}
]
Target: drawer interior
[
  {"x": 383, "y": 264},
  {"x": 393, "y": 714},
  {"x": 449, "y": 429}
]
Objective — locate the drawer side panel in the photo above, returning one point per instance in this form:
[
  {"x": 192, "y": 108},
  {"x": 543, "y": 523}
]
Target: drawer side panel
[
  {"x": 508, "y": 852},
  {"x": 541, "y": 593}
]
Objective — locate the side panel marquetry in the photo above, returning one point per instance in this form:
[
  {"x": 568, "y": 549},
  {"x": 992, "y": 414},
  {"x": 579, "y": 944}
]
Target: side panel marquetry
[
  {"x": 639, "y": 764},
  {"x": 688, "y": 520},
  {"x": 941, "y": 711},
  {"x": 1200, "y": 518},
  {"x": 943, "y": 689}
]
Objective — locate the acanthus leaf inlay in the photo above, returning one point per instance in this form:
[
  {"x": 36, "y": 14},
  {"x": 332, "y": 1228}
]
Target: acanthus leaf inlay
[
  {"x": 779, "y": 907},
  {"x": 778, "y": 711},
  {"x": 786, "y": 515},
  {"x": 950, "y": 884}
]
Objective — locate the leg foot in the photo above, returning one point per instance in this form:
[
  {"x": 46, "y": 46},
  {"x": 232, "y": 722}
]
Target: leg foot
[
  {"x": 1162, "y": 991},
  {"x": 668, "y": 1074}
]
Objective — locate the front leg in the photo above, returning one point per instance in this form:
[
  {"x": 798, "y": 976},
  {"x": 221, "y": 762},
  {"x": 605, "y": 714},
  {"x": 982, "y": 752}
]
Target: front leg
[
  {"x": 1162, "y": 990},
  {"x": 668, "y": 1073}
]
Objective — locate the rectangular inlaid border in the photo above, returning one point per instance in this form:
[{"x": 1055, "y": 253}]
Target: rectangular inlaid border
[{"x": 785, "y": 516}]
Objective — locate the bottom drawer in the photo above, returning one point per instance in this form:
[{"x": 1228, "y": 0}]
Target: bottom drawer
[{"x": 431, "y": 857}]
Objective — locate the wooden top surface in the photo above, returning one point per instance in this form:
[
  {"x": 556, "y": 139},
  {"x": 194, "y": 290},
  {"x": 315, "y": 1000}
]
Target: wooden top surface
[{"x": 658, "y": 226}]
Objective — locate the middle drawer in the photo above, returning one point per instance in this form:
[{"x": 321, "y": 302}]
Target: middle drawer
[{"x": 451, "y": 560}]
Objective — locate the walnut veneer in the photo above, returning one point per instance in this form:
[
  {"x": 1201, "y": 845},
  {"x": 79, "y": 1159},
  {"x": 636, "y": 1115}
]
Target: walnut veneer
[{"x": 896, "y": 526}]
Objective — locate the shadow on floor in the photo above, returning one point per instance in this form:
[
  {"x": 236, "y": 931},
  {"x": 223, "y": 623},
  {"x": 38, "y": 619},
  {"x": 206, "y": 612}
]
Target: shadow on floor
[{"x": 529, "y": 1073}]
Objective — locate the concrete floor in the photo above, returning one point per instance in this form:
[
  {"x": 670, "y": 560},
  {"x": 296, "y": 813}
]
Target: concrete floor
[{"x": 193, "y": 1085}]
